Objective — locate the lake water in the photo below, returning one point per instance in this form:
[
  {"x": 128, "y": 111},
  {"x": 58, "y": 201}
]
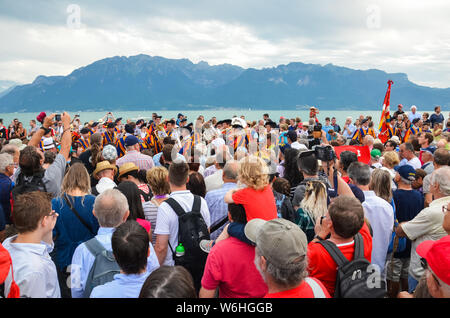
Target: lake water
[{"x": 275, "y": 115}]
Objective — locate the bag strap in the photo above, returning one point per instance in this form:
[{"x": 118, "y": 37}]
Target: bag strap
[
  {"x": 359, "y": 247},
  {"x": 94, "y": 246},
  {"x": 197, "y": 205},
  {"x": 218, "y": 225},
  {"x": 334, "y": 252},
  {"x": 176, "y": 207},
  {"x": 78, "y": 215},
  {"x": 315, "y": 287}
]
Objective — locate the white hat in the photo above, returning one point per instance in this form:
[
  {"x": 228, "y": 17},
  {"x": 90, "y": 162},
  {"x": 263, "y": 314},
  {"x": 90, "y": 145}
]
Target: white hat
[
  {"x": 396, "y": 139},
  {"x": 239, "y": 121},
  {"x": 18, "y": 143},
  {"x": 48, "y": 143}
]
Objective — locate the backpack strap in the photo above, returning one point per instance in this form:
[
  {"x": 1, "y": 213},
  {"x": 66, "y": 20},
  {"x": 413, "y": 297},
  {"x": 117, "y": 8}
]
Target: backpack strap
[
  {"x": 176, "y": 207},
  {"x": 334, "y": 252},
  {"x": 197, "y": 205},
  {"x": 359, "y": 247},
  {"x": 95, "y": 247},
  {"x": 316, "y": 289},
  {"x": 78, "y": 215}
]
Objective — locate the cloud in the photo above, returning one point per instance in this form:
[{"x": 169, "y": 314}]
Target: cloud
[{"x": 401, "y": 36}]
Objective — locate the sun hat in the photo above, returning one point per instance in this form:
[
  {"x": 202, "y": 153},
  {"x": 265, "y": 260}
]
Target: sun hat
[
  {"x": 48, "y": 143},
  {"x": 104, "y": 165},
  {"x": 18, "y": 143},
  {"x": 280, "y": 241},
  {"x": 127, "y": 167}
]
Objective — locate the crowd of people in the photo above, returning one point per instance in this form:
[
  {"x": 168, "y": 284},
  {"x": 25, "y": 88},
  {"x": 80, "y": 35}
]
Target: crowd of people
[{"x": 225, "y": 208}]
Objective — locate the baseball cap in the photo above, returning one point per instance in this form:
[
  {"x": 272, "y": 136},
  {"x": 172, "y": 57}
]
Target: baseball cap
[
  {"x": 292, "y": 135},
  {"x": 437, "y": 255},
  {"x": 111, "y": 125},
  {"x": 131, "y": 141},
  {"x": 406, "y": 172},
  {"x": 375, "y": 153},
  {"x": 430, "y": 149},
  {"x": 365, "y": 120},
  {"x": 280, "y": 241}
]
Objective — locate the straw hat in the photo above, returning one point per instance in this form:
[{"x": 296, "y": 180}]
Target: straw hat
[
  {"x": 127, "y": 167},
  {"x": 103, "y": 165}
]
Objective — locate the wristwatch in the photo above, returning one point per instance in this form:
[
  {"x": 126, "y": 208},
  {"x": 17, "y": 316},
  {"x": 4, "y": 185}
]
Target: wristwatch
[{"x": 319, "y": 238}]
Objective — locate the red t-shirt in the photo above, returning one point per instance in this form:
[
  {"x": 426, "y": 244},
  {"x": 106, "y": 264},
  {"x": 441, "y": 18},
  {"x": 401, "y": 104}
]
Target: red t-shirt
[
  {"x": 304, "y": 290},
  {"x": 324, "y": 268},
  {"x": 257, "y": 204},
  {"x": 230, "y": 266}
]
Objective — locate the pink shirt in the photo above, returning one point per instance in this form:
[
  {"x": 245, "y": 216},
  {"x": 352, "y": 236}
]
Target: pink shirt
[{"x": 143, "y": 162}]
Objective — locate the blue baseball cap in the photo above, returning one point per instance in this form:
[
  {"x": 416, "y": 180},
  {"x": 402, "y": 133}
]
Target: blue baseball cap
[
  {"x": 406, "y": 172},
  {"x": 131, "y": 141}
]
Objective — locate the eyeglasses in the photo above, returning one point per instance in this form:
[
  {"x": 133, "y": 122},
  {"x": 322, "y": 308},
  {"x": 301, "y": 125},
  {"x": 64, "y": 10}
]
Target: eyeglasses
[{"x": 53, "y": 213}]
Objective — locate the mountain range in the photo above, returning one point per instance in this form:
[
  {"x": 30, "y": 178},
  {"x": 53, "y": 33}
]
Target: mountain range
[{"x": 145, "y": 82}]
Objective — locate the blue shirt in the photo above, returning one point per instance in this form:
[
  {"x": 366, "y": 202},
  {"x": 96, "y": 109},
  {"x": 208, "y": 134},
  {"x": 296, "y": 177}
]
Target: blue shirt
[
  {"x": 218, "y": 209},
  {"x": 69, "y": 231},
  {"x": 83, "y": 259},
  {"x": 123, "y": 286},
  {"x": 5, "y": 196}
]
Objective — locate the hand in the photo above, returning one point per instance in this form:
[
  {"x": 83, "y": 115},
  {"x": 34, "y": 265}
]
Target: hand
[
  {"x": 48, "y": 121},
  {"x": 65, "y": 118},
  {"x": 322, "y": 229}
]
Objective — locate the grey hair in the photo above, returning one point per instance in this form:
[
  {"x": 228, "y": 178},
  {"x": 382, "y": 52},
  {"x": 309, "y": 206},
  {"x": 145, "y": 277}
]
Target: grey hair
[
  {"x": 110, "y": 207},
  {"x": 405, "y": 181},
  {"x": 442, "y": 178},
  {"x": 10, "y": 149},
  {"x": 289, "y": 278},
  {"x": 231, "y": 170},
  {"x": 5, "y": 160},
  {"x": 359, "y": 172}
]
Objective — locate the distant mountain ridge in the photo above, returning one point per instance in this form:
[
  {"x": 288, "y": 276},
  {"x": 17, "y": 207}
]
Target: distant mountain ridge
[{"x": 142, "y": 82}]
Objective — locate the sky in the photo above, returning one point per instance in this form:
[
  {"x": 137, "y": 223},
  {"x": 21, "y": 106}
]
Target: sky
[{"x": 55, "y": 37}]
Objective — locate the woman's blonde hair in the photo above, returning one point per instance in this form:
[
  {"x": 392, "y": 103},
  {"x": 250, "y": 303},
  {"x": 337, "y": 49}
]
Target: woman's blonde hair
[
  {"x": 314, "y": 202},
  {"x": 390, "y": 158},
  {"x": 253, "y": 172},
  {"x": 77, "y": 177},
  {"x": 380, "y": 183},
  {"x": 157, "y": 180}
]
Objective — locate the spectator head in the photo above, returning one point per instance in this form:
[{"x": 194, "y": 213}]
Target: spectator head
[
  {"x": 359, "y": 173},
  {"x": 253, "y": 172},
  {"x": 40, "y": 218},
  {"x": 406, "y": 151},
  {"x": 282, "y": 185},
  {"x": 132, "y": 193},
  {"x": 196, "y": 184},
  {"x": 128, "y": 172},
  {"x": 109, "y": 153},
  {"x": 391, "y": 145},
  {"x": 346, "y": 158},
  {"x": 440, "y": 182},
  {"x": 379, "y": 146},
  {"x": 132, "y": 143},
  {"x": 307, "y": 163},
  {"x": 111, "y": 208},
  {"x": 30, "y": 160},
  {"x": 380, "y": 183},
  {"x": 169, "y": 282},
  {"x": 236, "y": 213},
  {"x": 13, "y": 150},
  {"x": 280, "y": 254},
  {"x": 104, "y": 169},
  {"x": 437, "y": 260},
  {"x": 230, "y": 171},
  {"x": 6, "y": 164},
  {"x": 49, "y": 157},
  {"x": 157, "y": 180},
  {"x": 178, "y": 174},
  {"x": 130, "y": 246},
  {"x": 292, "y": 135},
  {"x": 76, "y": 178},
  {"x": 315, "y": 200},
  {"x": 405, "y": 175},
  {"x": 96, "y": 142},
  {"x": 390, "y": 159},
  {"x": 441, "y": 157},
  {"x": 167, "y": 153},
  {"x": 346, "y": 215},
  {"x": 418, "y": 183}
]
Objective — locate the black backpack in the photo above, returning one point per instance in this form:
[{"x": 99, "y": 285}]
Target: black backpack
[
  {"x": 356, "y": 278},
  {"x": 22, "y": 186},
  {"x": 191, "y": 230}
]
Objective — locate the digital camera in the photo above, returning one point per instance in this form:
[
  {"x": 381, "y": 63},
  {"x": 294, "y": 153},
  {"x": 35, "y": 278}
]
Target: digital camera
[{"x": 325, "y": 153}]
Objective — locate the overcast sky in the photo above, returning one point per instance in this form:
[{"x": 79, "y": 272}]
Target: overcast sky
[{"x": 43, "y": 37}]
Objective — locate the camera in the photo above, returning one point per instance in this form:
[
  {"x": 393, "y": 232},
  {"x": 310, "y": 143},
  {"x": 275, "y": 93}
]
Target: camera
[
  {"x": 58, "y": 117},
  {"x": 324, "y": 153}
]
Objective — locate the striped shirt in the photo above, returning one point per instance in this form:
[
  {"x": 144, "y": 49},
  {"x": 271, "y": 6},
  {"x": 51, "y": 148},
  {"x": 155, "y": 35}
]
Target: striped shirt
[
  {"x": 143, "y": 162},
  {"x": 218, "y": 209}
]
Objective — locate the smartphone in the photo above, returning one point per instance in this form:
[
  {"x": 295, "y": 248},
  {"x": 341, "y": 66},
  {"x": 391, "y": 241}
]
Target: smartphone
[{"x": 58, "y": 117}]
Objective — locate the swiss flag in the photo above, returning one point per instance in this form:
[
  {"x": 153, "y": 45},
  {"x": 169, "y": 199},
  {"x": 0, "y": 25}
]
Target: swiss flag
[{"x": 363, "y": 152}]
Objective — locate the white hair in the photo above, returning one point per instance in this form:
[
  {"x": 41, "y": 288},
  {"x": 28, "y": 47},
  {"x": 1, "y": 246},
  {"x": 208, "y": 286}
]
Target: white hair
[
  {"x": 5, "y": 160},
  {"x": 442, "y": 178},
  {"x": 413, "y": 106},
  {"x": 110, "y": 207}
]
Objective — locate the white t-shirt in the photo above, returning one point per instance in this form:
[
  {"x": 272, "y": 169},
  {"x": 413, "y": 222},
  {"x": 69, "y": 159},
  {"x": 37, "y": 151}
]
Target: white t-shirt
[
  {"x": 167, "y": 219},
  {"x": 427, "y": 225},
  {"x": 414, "y": 162}
]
